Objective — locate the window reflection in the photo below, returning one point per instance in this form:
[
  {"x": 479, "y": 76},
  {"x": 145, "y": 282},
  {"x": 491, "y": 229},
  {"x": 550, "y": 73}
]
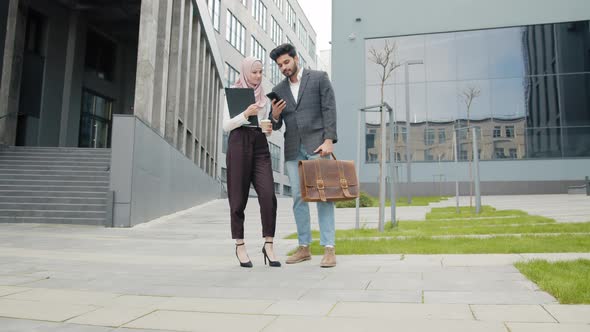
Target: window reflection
[{"x": 526, "y": 88}]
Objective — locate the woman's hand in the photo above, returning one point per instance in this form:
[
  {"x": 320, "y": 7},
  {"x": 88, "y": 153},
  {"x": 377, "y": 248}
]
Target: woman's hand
[{"x": 251, "y": 110}]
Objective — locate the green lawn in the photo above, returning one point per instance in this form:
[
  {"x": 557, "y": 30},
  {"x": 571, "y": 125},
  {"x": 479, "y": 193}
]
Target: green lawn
[
  {"x": 568, "y": 281},
  {"x": 423, "y": 237},
  {"x": 428, "y": 245},
  {"x": 370, "y": 201}
]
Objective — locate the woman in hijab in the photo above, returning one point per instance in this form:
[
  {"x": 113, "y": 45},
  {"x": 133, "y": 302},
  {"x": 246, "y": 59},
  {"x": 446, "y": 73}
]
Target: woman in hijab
[{"x": 248, "y": 162}]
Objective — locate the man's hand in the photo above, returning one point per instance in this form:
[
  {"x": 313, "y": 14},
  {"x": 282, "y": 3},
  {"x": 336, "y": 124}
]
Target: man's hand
[
  {"x": 325, "y": 149},
  {"x": 277, "y": 108}
]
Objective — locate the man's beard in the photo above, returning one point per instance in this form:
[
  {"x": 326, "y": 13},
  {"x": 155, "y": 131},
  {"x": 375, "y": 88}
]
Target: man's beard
[{"x": 294, "y": 72}]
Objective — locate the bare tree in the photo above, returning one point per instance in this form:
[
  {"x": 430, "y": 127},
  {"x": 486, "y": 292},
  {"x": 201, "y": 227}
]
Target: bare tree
[
  {"x": 468, "y": 95},
  {"x": 386, "y": 60}
]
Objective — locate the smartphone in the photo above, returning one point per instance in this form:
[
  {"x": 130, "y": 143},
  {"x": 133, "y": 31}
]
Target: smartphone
[{"x": 273, "y": 96}]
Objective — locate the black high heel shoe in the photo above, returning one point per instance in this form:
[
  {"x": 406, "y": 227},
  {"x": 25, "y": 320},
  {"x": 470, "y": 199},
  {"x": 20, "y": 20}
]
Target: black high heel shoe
[
  {"x": 246, "y": 264},
  {"x": 270, "y": 263}
]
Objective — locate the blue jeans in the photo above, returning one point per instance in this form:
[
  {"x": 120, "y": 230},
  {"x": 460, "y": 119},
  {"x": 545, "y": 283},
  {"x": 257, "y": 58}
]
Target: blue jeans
[{"x": 301, "y": 208}]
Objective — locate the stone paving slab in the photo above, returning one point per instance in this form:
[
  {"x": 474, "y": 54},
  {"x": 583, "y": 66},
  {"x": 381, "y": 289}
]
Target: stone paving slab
[
  {"x": 512, "y": 313},
  {"x": 402, "y": 311},
  {"x": 322, "y": 324},
  {"x": 198, "y": 321},
  {"x": 545, "y": 327},
  {"x": 495, "y": 297},
  {"x": 570, "y": 313},
  {"x": 48, "y": 311}
]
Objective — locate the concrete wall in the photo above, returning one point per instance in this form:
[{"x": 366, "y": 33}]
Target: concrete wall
[
  {"x": 150, "y": 177},
  {"x": 3, "y": 21},
  {"x": 431, "y": 16}
]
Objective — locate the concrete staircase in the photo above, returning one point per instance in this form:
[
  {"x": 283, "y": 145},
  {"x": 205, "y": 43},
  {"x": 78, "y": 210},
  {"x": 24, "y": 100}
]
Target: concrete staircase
[{"x": 54, "y": 185}]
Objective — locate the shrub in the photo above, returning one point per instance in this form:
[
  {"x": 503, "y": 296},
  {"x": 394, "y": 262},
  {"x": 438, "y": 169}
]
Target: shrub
[{"x": 365, "y": 201}]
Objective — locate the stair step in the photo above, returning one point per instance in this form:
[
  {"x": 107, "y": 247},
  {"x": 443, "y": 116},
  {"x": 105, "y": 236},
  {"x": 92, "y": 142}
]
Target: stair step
[
  {"x": 53, "y": 200},
  {"x": 103, "y": 178},
  {"x": 81, "y": 162},
  {"x": 94, "y": 189},
  {"x": 13, "y": 171},
  {"x": 52, "y": 207},
  {"x": 16, "y": 182},
  {"x": 101, "y": 168},
  {"x": 54, "y": 220},
  {"x": 50, "y": 148},
  {"x": 20, "y": 192},
  {"x": 53, "y": 214}
]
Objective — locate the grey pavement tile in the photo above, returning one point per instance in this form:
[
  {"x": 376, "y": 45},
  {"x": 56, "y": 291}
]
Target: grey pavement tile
[
  {"x": 512, "y": 313},
  {"x": 18, "y": 325},
  {"x": 9, "y": 290},
  {"x": 112, "y": 316},
  {"x": 198, "y": 321},
  {"x": 403, "y": 296},
  {"x": 219, "y": 305},
  {"x": 398, "y": 283},
  {"x": 341, "y": 324},
  {"x": 570, "y": 313},
  {"x": 469, "y": 274},
  {"x": 301, "y": 308},
  {"x": 465, "y": 284},
  {"x": 547, "y": 327},
  {"x": 481, "y": 259},
  {"x": 402, "y": 311},
  {"x": 16, "y": 280},
  {"x": 64, "y": 296},
  {"x": 48, "y": 311},
  {"x": 495, "y": 297}
]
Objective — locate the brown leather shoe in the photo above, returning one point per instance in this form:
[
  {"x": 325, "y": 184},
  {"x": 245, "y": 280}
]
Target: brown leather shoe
[
  {"x": 302, "y": 254},
  {"x": 329, "y": 259}
]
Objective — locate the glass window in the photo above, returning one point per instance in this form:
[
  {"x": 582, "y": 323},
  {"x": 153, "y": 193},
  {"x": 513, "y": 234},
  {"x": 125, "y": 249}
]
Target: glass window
[
  {"x": 279, "y": 4},
  {"x": 259, "y": 52},
  {"x": 526, "y": 87},
  {"x": 231, "y": 74},
  {"x": 259, "y": 13},
  {"x": 429, "y": 135},
  {"x": 442, "y": 135},
  {"x": 214, "y": 7},
  {"x": 302, "y": 33},
  {"x": 509, "y": 131},
  {"x": 497, "y": 131},
  {"x": 286, "y": 190},
  {"x": 101, "y": 56},
  {"x": 235, "y": 33},
  {"x": 275, "y": 156},
  {"x": 291, "y": 17},
  {"x": 276, "y": 32}
]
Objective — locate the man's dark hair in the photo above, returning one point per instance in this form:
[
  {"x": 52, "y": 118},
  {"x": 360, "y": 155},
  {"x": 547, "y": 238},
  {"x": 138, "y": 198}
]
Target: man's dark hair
[{"x": 283, "y": 49}]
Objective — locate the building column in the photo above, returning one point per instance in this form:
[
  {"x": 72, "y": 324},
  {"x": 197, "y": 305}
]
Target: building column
[
  {"x": 68, "y": 76},
  {"x": 173, "y": 95},
  {"x": 146, "y": 60},
  {"x": 161, "y": 71},
  {"x": 11, "y": 72}
]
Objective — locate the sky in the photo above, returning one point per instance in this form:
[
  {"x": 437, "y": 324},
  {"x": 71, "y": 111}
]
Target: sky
[{"x": 319, "y": 14}]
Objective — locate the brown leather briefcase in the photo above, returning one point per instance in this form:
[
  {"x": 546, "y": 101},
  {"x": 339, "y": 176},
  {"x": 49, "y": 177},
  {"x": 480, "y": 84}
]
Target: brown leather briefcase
[{"x": 326, "y": 180}]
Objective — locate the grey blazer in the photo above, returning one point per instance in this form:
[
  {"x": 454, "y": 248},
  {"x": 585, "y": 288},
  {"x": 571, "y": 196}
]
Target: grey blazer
[{"x": 312, "y": 119}]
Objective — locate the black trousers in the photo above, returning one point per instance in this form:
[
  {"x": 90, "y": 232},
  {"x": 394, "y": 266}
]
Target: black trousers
[{"x": 248, "y": 162}]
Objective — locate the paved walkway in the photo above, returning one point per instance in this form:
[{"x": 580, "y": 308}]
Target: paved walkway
[{"x": 179, "y": 273}]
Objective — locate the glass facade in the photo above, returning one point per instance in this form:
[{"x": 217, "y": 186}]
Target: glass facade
[{"x": 526, "y": 88}]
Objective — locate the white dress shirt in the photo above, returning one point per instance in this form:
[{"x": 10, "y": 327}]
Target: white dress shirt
[
  {"x": 230, "y": 124},
  {"x": 295, "y": 86}
]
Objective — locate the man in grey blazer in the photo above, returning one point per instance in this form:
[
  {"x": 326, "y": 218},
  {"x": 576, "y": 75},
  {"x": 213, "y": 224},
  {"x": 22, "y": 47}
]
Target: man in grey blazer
[{"x": 308, "y": 110}]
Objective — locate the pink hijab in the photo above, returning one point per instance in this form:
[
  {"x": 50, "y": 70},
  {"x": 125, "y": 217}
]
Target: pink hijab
[{"x": 244, "y": 82}]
